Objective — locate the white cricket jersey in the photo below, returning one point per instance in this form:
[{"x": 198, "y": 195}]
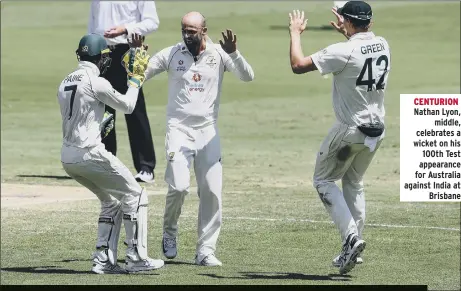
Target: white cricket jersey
[
  {"x": 360, "y": 68},
  {"x": 82, "y": 95},
  {"x": 138, "y": 17},
  {"x": 194, "y": 85}
]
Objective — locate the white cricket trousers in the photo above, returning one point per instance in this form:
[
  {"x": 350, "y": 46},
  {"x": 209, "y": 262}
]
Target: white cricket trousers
[
  {"x": 104, "y": 175},
  {"x": 183, "y": 146},
  {"x": 344, "y": 156}
]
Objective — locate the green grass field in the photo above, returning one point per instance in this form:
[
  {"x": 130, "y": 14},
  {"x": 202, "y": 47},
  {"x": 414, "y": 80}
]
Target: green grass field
[{"x": 276, "y": 230}]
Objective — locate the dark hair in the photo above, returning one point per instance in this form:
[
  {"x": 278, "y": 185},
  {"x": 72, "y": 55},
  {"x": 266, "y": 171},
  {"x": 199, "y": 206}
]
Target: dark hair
[{"x": 358, "y": 23}]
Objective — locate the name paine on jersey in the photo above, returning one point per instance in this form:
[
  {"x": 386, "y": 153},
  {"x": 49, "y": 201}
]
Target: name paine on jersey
[
  {"x": 73, "y": 78},
  {"x": 81, "y": 112}
]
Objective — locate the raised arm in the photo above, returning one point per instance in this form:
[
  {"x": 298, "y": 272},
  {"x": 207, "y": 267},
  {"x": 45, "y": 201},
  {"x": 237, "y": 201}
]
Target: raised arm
[
  {"x": 299, "y": 63},
  {"x": 135, "y": 62},
  {"x": 233, "y": 61},
  {"x": 105, "y": 93},
  {"x": 332, "y": 59},
  {"x": 158, "y": 63}
]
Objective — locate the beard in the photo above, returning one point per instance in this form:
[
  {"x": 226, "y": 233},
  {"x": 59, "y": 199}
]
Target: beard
[{"x": 193, "y": 44}]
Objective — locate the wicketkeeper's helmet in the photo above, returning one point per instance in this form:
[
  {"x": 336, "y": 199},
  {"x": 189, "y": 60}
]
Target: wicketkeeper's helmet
[{"x": 93, "y": 47}]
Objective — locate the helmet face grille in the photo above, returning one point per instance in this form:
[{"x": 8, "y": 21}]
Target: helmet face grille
[{"x": 104, "y": 63}]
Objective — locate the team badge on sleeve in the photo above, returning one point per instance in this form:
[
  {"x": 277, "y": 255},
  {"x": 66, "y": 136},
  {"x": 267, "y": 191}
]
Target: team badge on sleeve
[{"x": 322, "y": 52}]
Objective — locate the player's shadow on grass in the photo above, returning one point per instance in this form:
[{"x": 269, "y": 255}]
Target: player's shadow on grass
[
  {"x": 45, "y": 177},
  {"x": 121, "y": 261},
  {"x": 58, "y": 270},
  {"x": 283, "y": 276},
  {"x": 178, "y": 263},
  {"x": 43, "y": 270}
]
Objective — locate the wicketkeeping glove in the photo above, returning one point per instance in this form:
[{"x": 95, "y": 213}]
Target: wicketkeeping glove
[
  {"x": 107, "y": 124},
  {"x": 135, "y": 62}
]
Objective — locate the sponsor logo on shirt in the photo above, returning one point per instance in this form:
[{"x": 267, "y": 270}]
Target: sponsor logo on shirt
[
  {"x": 181, "y": 67},
  {"x": 196, "y": 86},
  {"x": 196, "y": 77}
]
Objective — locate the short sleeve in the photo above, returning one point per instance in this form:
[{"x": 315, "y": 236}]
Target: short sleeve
[{"x": 331, "y": 59}]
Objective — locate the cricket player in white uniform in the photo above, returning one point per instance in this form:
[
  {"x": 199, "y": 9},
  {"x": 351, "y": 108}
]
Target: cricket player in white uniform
[
  {"x": 360, "y": 68},
  {"x": 195, "y": 73},
  {"x": 82, "y": 96}
]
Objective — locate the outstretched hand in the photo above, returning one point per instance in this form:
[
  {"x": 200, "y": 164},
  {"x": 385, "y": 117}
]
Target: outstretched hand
[
  {"x": 137, "y": 41},
  {"x": 229, "y": 43},
  {"x": 135, "y": 62},
  {"x": 297, "y": 22},
  {"x": 339, "y": 24}
]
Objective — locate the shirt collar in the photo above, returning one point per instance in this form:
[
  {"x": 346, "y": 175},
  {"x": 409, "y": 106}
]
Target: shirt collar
[
  {"x": 89, "y": 65},
  {"x": 362, "y": 35}
]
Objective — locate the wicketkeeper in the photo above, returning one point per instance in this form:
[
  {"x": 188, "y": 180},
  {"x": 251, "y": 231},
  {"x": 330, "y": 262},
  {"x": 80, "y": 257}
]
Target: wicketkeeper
[{"x": 82, "y": 96}]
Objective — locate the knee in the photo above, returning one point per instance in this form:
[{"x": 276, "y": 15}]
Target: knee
[
  {"x": 132, "y": 201},
  {"x": 179, "y": 188},
  {"x": 325, "y": 190},
  {"x": 322, "y": 186},
  {"x": 215, "y": 193},
  {"x": 110, "y": 208},
  {"x": 177, "y": 183},
  {"x": 352, "y": 183},
  {"x": 213, "y": 180}
]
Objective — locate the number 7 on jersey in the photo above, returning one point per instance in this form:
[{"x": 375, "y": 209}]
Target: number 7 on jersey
[{"x": 72, "y": 88}]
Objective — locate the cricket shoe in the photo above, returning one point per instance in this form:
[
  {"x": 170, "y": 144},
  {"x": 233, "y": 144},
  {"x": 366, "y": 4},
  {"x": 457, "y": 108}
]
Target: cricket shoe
[
  {"x": 208, "y": 261},
  {"x": 102, "y": 265},
  {"x": 169, "y": 247},
  {"x": 133, "y": 263},
  {"x": 352, "y": 248},
  {"x": 145, "y": 176},
  {"x": 336, "y": 262}
]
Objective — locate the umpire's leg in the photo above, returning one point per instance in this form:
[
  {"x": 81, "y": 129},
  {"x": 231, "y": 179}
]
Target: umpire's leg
[{"x": 139, "y": 133}]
